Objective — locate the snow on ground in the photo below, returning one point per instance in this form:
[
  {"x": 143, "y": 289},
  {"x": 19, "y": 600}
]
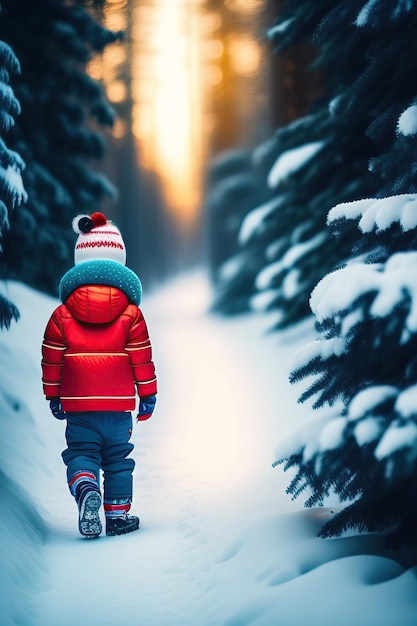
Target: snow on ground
[{"x": 220, "y": 543}]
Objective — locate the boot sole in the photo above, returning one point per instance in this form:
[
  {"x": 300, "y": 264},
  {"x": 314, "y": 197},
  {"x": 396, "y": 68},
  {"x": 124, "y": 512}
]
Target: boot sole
[{"x": 89, "y": 523}]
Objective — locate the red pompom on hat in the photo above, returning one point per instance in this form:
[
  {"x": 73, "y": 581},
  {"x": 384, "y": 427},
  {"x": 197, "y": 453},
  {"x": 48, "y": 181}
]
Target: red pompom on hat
[
  {"x": 98, "y": 238},
  {"x": 99, "y": 219}
]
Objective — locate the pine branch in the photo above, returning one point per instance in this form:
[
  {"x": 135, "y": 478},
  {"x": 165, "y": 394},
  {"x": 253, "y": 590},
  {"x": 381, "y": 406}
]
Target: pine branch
[{"x": 8, "y": 312}]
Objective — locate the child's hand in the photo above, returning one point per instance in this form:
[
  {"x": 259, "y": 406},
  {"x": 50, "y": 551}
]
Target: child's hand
[
  {"x": 56, "y": 409},
  {"x": 146, "y": 407}
]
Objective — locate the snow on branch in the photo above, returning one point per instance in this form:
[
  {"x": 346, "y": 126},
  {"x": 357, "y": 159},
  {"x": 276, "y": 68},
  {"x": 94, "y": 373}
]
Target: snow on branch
[
  {"x": 406, "y": 403},
  {"x": 266, "y": 277},
  {"x": 373, "y": 9},
  {"x": 407, "y": 122},
  {"x": 399, "y": 278},
  {"x": 396, "y": 437},
  {"x": 9, "y": 59},
  {"x": 318, "y": 349},
  {"x": 254, "y": 222},
  {"x": 377, "y": 214},
  {"x": 328, "y": 298},
  {"x": 292, "y": 160},
  {"x": 368, "y": 399},
  {"x": 13, "y": 185},
  {"x": 390, "y": 283},
  {"x": 365, "y": 13},
  {"x": 279, "y": 29}
]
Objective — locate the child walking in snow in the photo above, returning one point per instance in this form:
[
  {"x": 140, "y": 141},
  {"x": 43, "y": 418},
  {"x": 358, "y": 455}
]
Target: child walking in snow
[{"x": 96, "y": 354}]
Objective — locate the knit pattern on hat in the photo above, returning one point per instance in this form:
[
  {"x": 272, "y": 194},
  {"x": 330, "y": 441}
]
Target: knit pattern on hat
[
  {"x": 98, "y": 238},
  {"x": 101, "y": 272}
]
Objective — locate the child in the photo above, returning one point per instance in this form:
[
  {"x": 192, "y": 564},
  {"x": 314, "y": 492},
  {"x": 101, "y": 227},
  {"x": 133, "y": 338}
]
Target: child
[{"x": 96, "y": 351}]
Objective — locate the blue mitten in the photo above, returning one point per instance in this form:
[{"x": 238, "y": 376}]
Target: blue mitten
[
  {"x": 56, "y": 409},
  {"x": 146, "y": 407}
]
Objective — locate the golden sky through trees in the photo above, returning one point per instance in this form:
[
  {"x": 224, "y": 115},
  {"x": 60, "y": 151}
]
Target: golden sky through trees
[
  {"x": 167, "y": 68},
  {"x": 169, "y": 97}
]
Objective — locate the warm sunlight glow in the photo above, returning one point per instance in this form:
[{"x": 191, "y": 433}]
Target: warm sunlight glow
[
  {"x": 116, "y": 91},
  {"x": 95, "y": 68},
  {"x": 245, "y": 55},
  {"x": 113, "y": 61},
  {"x": 107, "y": 67},
  {"x": 214, "y": 76},
  {"x": 214, "y": 49},
  {"x": 244, "y": 6},
  {"x": 115, "y": 54},
  {"x": 119, "y": 129},
  {"x": 116, "y": 21},
  {"x": 178, "y": 77},
  {"x": 167, "y": 80}
]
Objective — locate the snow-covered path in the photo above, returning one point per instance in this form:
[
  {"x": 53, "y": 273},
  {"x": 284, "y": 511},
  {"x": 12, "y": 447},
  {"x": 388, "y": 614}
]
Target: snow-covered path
[
  {"x": 220, "y": 543},
  {"x": 205, "y": 442}
]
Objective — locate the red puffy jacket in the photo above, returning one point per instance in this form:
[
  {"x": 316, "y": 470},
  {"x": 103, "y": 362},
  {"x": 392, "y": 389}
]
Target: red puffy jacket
[{"x": 96, "y": 352}]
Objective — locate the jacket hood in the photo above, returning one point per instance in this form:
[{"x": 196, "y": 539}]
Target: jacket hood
[
  {"x": 101, "y": 272},
  {"x": 97, "y": 304}
]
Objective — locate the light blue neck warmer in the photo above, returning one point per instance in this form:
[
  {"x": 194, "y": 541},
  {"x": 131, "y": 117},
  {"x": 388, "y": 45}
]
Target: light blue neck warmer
[{"x": 101, "y": 272}]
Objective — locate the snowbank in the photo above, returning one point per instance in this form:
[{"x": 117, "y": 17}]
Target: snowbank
[{"x": 220, "y": 542}]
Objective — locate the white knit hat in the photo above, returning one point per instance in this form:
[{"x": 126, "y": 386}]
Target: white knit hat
[{"x": 98, "y": 238}]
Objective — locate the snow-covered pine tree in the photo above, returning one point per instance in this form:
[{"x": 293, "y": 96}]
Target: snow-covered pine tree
[
  {"x": 312, "y": 163},
  {"x": 19, "y": 517},
  {"x": 12, "y": 192},
  {"x": 234, "y": 185},
  {"x": 365, "y": 365},
  {"x": 58, "y": 133},
  {"x": 365, "y": 361}
]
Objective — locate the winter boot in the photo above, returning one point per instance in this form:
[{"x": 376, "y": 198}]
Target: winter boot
[
  {"x": 118, "y": 520},
  {"x": 89, "y": 523},
  {"x": 121, "y": 525},
  {"x": 86, "y": 491}
]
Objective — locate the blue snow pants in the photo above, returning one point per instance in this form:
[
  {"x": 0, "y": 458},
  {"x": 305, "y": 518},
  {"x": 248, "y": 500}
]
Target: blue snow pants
[{"x": 100, "y": 440}]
